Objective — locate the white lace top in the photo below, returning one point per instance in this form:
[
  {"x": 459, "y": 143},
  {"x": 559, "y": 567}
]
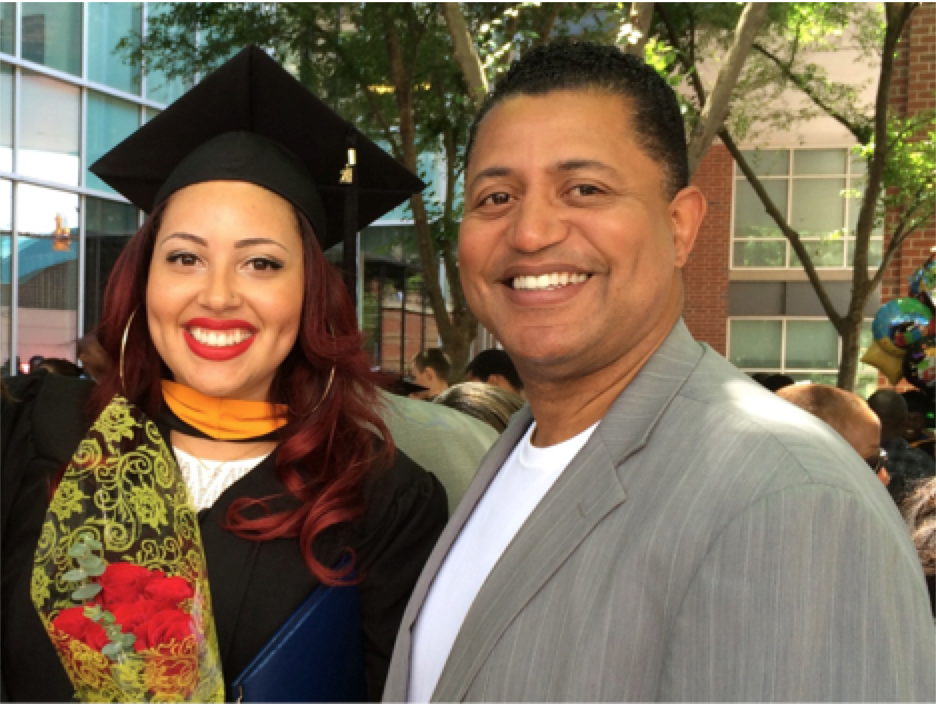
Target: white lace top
[{"x": 207, "y": 479}]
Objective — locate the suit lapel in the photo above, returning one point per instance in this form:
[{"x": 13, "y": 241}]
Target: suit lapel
[{"x": 583, "y": 495}]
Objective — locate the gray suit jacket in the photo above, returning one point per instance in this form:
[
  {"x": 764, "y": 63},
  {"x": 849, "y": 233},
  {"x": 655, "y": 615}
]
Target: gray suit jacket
[{"x": 710, "y": 542}]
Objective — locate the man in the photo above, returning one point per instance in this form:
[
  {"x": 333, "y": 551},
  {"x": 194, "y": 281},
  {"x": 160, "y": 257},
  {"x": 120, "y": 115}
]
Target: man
[
  {"x": 905, "y": 464},
  {"x": 666, "y": 529},
  {"x": 849, "y": 415},
  {"x": 431, "y": 369},
  {"x": 495, "y": 367}
]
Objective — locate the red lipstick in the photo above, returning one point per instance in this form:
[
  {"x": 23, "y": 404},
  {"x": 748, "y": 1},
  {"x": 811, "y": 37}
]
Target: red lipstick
[{"x": 218, "y": 354}]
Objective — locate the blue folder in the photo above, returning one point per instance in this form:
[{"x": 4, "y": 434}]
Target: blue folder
[{"x": 316, "y": 656}]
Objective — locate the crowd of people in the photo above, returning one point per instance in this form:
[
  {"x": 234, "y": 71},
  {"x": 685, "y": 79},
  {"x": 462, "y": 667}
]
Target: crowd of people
[{"x": 603, "y": 510}]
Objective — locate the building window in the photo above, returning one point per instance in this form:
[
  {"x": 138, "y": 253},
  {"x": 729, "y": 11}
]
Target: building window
[
  {"x": 818, "y": 191},
  {"x": 808, "y": 349},
  {"x": 52, "y": 35},
  {"x": 108, "y": 23}
]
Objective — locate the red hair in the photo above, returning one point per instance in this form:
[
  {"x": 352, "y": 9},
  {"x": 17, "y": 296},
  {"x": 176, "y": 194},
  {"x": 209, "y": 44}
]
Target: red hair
[{"x": 323, "y": 458}]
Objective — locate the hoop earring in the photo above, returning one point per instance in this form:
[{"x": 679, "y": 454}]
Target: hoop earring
[
  {"x": 123, "y": 348},
  {"x": 331, "y": 375}
]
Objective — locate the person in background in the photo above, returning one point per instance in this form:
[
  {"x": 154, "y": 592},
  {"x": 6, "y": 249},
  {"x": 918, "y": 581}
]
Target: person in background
[
  {"x": 651, "y": 526},
  {"x": 904, "y": 463},
  {"x": 62, "y": 367},
  {"x": 775, "y": 382},
  {"x": 445, "y": 442},
  {"x": 849, "y": 415},
  {"x": 495, "y": 367},
  {"x": 431, "y": 369},
  {"x": 34, "y": 363},
  {"x": 485, "y": 402},
  {"x": 919, "y": 510},
  {"x": 93, "y": 357},
  {"x": 919, "y": 421}
]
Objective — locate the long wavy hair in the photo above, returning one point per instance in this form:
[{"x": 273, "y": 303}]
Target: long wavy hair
[{"x": 323, "y": 457}]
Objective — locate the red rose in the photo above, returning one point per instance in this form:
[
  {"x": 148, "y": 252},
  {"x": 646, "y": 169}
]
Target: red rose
[
  {"x": 173, "y": 590},
  {"x": 75, "y": 624},
  {"x": 132, "y": 615},
  {"x": 72, "y": 622},
  {"x": 123, "y": 582},
  {"x": 163, "y": 628}
]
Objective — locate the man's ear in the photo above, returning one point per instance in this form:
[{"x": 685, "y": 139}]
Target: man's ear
[{"x": 687, "y": 210}]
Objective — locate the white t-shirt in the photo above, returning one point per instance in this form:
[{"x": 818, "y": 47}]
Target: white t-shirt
[
  {"x": 207, "y": 479},
  {"x": 521, "y": 484}
]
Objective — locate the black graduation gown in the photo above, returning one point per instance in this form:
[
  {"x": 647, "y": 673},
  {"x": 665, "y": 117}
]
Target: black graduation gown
[{"x": 255, "y": 586}]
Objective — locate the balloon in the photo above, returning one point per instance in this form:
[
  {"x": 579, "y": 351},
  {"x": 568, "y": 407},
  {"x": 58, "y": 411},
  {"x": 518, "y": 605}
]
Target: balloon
[
  {"x": 899, "y": 312},
  {"x": 919, "y": 364},
  {"x": 883, "y": 359},
  {"x": 922, "y": 284}
]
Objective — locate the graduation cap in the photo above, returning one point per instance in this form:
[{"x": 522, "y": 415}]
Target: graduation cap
[{"x": 252, "y": 121}]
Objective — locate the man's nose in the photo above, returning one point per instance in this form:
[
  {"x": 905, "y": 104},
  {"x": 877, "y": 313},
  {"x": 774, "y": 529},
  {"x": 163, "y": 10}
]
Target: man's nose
[{"x": 537, "y": 225}]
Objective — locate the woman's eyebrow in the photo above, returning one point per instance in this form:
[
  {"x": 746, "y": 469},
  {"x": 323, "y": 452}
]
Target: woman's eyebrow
[
  {"x": 252, "y": 241},
  {"x": 186, "y": 236}
]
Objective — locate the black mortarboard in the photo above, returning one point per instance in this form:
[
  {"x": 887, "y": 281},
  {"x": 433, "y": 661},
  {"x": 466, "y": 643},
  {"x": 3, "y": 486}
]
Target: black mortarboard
[{"x": 252, "y": 121}]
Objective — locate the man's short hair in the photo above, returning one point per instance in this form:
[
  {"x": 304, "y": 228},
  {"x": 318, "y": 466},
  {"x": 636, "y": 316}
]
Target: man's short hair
[
  {"x": 578, "y": 66},
  {"x": 889, "y": 406},
  {"x": 434, "y": 359},
  {"x": 491, "y": 362},
  {"x": 835, "y": 406}
]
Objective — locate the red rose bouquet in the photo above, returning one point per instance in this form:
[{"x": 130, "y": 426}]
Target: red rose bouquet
[{"x": 120, "y": 580}]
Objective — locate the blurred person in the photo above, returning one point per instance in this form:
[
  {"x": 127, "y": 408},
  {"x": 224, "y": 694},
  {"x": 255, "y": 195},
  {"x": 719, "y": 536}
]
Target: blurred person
[
  {"x": 444, "y": 441},
  {"x": 651, "y": 526},
  {"x": 920, "y": 421},
  {"x": 495, "y": 367},
  {"x": 62, "y": 367},
  {"x": 93, "y": 357},
  {"x": 849, "y": 415},
  {"x": 34, "y": 363},
  {"x": 431, "y": 369},
  {"x": 484, "y": 401},
  {"x": 919, "y": 510},
  {"x": 240, "y": 389},
  {"x": 905, "y": 464}
]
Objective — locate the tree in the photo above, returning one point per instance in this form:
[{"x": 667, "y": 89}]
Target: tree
[{"x": 898, "y": 150}]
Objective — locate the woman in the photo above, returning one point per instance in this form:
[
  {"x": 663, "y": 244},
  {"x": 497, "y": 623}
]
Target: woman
[
  {"x": 483, "y": 401},
  {"x": 235, "y": 335}
]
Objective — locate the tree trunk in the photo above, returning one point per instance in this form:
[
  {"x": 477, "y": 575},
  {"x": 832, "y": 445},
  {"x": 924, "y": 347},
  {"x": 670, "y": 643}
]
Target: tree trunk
[
  {"x": 465, "y": 52},
  {"x": 716, "y": 107},
  {"x": 851, "y": 346}
]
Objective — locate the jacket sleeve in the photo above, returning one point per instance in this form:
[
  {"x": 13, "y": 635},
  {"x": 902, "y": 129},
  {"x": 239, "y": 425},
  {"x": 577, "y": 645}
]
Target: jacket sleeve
[{"x": 809, "y": 595}]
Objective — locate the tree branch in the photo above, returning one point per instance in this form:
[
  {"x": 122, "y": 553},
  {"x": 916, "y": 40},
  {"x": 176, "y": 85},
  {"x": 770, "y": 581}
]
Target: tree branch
[
  {"x": 466, "y": 54},
  {"x": 716, "y": 108},
  {"x": 641, "y": 16},
  {"x": 547, "y": 23},
  {"x": 861, "y": 132}
]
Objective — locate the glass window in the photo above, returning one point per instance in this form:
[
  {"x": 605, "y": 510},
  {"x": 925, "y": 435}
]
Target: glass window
[
  {"x": 108, "y": 23},
  {"x": 108, "y": 227},
  {"x": 760, "y": 254},
  {"x": 7, "y": 26},
  {"x": 110, "y": 121},
  {"x": 756, "y": 343},
  {"x": 811, "y": 344},
  {"x": 47, "y": 277},
  {"x": 819, "y": 161},
  {"x": 751, "y": 218},
  {"x": 768, "y": 162},
  {"x": 818, "y": 206},
  {"x": 6, "y": 117},
  {"x": 824, "y": 253},
  {"x": 50, "y": 129},
  {"x": 6, "y": 276},
  {"x": 149, "y": 114},
  {"x": 858, "y": 165},
  {"x": 875, "y": 248},
  {"x": 854, "y": 208},
  {"x": 159, "y": 87},
  {"x": 52, "y": 35}
]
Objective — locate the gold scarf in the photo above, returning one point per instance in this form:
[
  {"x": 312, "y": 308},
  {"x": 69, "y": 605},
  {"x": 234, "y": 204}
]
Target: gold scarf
[{"x": 223, "y": 418}]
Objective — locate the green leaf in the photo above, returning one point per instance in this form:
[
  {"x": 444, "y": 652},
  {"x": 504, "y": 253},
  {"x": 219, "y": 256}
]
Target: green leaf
[
  {"x": 87, "y": 591},
  {"x": 112, "y": 650},
  {"x": 78, "y": 550},
  {"x": 92, "y": 543},
  {"x": 127, "y": 640},
  {"x": 94, "y": 612},
  {"x": 95, "y": 570},
  {"x": 113, "y": 632},
  {"x": 107, "y": 617},
  {"x": 74, "y": 575}
]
